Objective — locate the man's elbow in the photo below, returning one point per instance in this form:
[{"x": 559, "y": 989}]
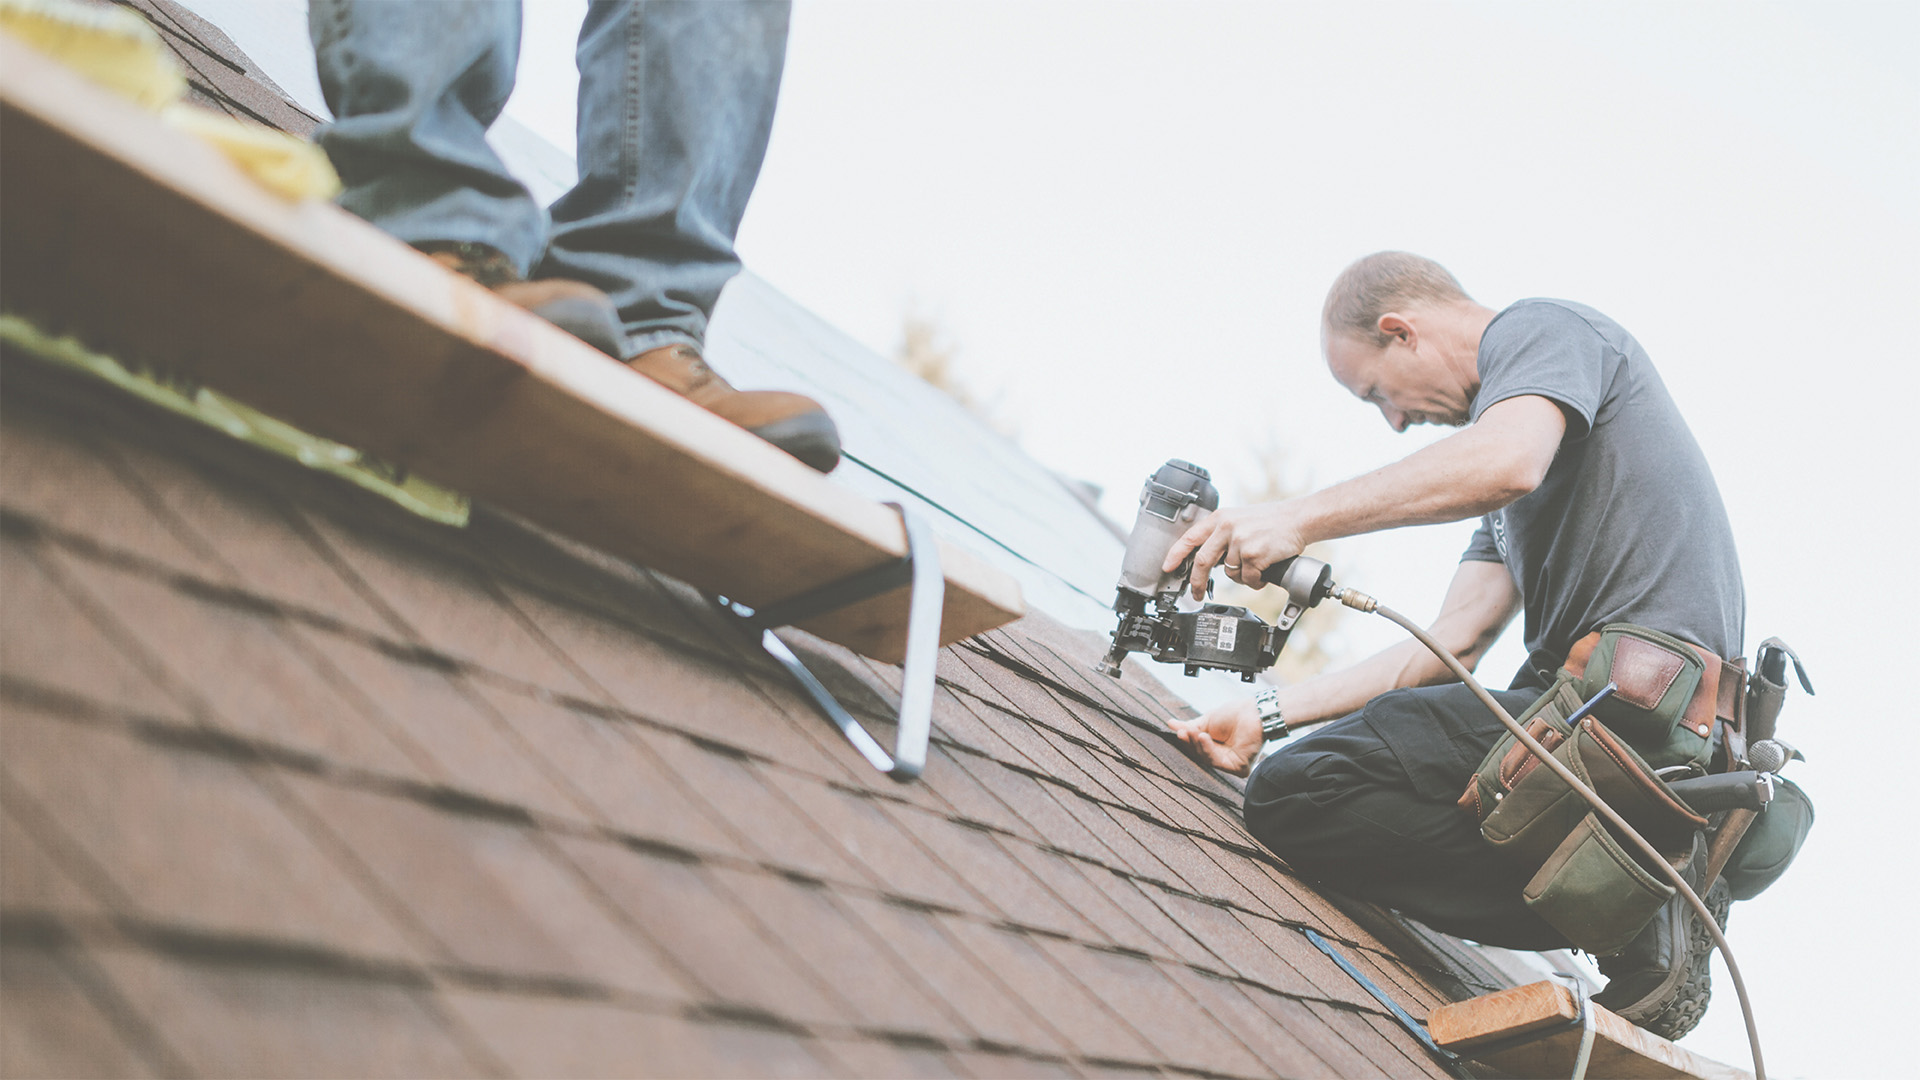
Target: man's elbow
[
  {"x": 1474, "y": 647},
  {"x": 1521, "y": 478},
  {"x": 1517, "y": 442},
  {"x": 1470, "y": 634},
  {"x": 1504, "y": 483}
]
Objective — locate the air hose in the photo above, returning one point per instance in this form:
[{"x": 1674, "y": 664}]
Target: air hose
[{"x": 1360, "y": 601}]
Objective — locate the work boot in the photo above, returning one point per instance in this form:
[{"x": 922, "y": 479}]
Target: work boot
[
  {"x": 573, "y": 306},
  {"x": 1663, "y": 979},
  {"x": 789, "y": 421}
]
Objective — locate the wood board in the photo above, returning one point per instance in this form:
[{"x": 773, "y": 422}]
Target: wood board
[
  {"x": 1621, "y": 1051},
  {"x": 149, "y": 245}
]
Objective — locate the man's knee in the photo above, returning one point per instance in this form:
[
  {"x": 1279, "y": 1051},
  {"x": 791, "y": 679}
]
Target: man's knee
[{"x": 1292, "y": 797}]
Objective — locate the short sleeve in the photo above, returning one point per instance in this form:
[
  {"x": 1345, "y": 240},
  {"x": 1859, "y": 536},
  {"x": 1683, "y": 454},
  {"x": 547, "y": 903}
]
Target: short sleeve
[
  {"x": 1482, "y": 548},
  {"x": 1539, "y": 347}
]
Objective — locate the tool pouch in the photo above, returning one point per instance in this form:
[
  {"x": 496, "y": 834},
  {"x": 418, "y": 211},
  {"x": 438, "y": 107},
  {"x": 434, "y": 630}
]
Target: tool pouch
[
  {"x": 1764, "y": 701},
  {"x": 1771, "y": 842},
  {"x": 1593, "y": 891},
  {"x": 1655, "y": 676},
  {"x": 1588, "y": 886},
  {"x": 1767, "y": 687}
]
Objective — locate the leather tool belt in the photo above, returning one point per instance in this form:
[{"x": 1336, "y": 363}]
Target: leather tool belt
[{"x": 1670, "y": 697}]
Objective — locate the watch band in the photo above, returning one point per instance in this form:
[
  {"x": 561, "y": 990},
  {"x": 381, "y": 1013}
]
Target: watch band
[{"x": 1272, "y": 725}]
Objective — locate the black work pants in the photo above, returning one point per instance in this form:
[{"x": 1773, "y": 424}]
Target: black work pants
[{"x": 1366, "y": 806}]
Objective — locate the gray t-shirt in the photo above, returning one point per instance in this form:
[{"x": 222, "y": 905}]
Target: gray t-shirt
[{"x": 1628, "y": 525}]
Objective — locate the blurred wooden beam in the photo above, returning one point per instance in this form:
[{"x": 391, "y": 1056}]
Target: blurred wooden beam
[
  {"x": 1621, "y": 1051},
  {"x": 150, "y": 246}
]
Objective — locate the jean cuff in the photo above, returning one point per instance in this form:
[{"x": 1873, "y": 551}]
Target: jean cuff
[{"x": 649, "y": 340}]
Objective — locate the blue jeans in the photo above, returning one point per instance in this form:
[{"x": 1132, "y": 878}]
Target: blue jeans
[{"x": 676, "y": 102}]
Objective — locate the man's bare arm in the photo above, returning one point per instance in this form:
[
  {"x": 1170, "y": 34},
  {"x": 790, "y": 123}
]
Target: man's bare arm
[
  {"x": 1503, "y": 456},
  {"x": 1480, "y": 603}
]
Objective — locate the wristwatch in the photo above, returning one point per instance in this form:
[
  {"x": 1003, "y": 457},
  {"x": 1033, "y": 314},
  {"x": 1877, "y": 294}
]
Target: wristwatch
[{"x": 1272, "y": 725}]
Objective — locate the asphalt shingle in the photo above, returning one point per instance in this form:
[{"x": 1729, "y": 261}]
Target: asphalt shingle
[
  {"x": 53, "y": 1026},
  {"x": 488, "y": 892},
  {"x": 131, "y": 810}
]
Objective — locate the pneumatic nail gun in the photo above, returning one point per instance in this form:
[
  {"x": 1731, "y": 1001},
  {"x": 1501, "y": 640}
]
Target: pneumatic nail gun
[{"x": 1222, "y": 636}]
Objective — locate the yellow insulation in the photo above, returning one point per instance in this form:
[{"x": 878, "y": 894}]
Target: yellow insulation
[
  {"x": 291, "y": 167},
  {"x": 111, "y": 46},
  {"x": 115, "y": 48}
]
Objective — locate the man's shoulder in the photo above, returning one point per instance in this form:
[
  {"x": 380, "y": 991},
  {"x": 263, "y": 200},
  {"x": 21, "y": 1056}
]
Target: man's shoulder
[
  {"x": 1548, "y": 313},
  {"x": 1561, "y": 350}
]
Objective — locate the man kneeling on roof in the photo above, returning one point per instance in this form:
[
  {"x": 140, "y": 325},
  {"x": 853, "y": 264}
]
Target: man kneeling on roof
[{"x": 1597, "y": 507}]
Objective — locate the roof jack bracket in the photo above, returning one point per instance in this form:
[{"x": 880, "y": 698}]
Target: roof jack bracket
[
  {"x": 1582, "y": 1018},
  {"x": 920, "y": 568},
  {"x": 1447, "y": 1059}
]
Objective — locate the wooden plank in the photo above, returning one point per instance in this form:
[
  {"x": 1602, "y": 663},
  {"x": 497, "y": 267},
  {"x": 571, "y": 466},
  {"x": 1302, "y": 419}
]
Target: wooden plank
[
  {"x": 148, "y": 245},
  {"x": 1621, "y": 1051}
]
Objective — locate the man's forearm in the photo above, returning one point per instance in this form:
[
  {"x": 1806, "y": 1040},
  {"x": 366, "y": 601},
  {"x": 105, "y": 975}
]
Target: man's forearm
[
  {"x": 1335, "y": 694},
  {"x": 1474, "y": 471}
]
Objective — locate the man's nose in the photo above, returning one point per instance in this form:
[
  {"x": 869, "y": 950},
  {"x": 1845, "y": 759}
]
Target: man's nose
[{"x": 1396, "y": 419}]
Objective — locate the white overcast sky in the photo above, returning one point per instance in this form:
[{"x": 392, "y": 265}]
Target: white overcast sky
[{"x": 1126, "y": 216}]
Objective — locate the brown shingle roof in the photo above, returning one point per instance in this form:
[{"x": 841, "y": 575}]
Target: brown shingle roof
[
  {"x": 484, "y": 804},
  {"x": 295, "y": 783}
]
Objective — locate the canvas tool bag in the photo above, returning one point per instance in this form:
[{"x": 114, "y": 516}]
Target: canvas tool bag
[{"x": 1669, "y": 698}]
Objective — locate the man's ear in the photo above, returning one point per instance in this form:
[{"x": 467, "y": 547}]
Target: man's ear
[{"x": 1394, "y": 325}]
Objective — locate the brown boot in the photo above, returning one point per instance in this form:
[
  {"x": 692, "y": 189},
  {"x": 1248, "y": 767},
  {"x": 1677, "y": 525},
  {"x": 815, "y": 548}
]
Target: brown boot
[
  {"x": 791, "y": 422},
  {"x": 573, "y": 306}
]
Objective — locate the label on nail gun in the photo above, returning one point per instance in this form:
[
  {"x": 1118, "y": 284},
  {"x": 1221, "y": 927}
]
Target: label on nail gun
[{"x": 1215, "y": 632}]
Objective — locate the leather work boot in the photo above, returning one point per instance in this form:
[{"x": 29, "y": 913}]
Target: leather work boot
[
  {"x": 1662, "y": 980},
  {"x": 792, "y": 422},
  {"x": 573, "y": 306}
]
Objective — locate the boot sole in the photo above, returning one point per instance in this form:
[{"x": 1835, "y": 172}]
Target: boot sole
[
  {"x": 1674, "y": 1007},
  {"x": 811, "y": 437},
  {"x": 1688, "y": 1003},
  {"x": 591, "y": 321}
]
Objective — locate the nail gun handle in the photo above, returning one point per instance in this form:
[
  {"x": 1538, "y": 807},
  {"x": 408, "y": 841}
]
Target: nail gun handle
[{"x": 1307, "y": 582}]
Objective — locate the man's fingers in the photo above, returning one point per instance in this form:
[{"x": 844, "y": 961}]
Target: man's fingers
[
  {"x": 1205, "y": 558},
  {"x": 1249, "y": 574},
  {"x": 1195, "y": 744},
  {"x": 1215, "y": 754},
  {"x": 1189, "y": 540},
  {"x": 1237, "y": 566}
]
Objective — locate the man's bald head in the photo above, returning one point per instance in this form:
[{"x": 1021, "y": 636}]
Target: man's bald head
[{"x": 1383, "y": 282}]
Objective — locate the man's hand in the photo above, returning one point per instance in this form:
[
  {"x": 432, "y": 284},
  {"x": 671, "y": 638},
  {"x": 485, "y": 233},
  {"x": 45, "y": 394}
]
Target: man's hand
[
  {"x": 1244, "y": 541},
  {"x": 1228, "y": 738}
]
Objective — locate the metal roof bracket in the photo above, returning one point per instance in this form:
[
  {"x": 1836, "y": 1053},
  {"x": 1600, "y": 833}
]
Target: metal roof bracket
[
  {"x": 919, "y": 568},
  {"x": 1582, "y": 1019},
  {"x": 1446, "y": 1058}
]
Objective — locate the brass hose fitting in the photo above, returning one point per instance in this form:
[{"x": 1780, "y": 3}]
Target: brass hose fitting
[{"x": 1354, "y": 599}]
